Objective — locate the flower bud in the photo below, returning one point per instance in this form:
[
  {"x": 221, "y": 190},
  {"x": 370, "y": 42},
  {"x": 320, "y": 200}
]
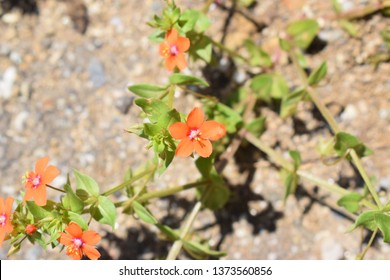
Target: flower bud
[{"x": 30, "y": 229}]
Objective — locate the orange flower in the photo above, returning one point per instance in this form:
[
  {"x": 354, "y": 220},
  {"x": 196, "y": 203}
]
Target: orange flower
[
  {"x": 36, "y": 181},
  {"x": 80, "y": 243},
  {"x": 196, "y": 134},
  {"x": 5, "y": 217},
  {"x": 173, "y": 50},
  {"x": 30, "y": 229}
]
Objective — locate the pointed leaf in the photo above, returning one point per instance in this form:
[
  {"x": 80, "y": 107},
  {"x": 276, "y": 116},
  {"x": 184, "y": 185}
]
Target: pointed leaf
[
  {"x": 143, "y": 213},
  {"x": 71, "y": 200},
  {"x": 383, "y": 222},
  {"x": 147, "y": 90},
  {"x": 181, "y": 79},
  {"x": 366, "y": 219},
  {"x": 303, "y": 32},
  {"x": 317, "y": 75},
  {"x": 350, "y": 202},
  {"x": 104, "y": 211},
  {"x": 200, "y": 250},
  {"x": 86, "y": 183}
]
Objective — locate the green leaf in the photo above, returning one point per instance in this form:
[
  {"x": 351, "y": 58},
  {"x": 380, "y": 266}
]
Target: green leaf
[
  {"x": 181, "y": 79},
  {"x": 78, "y": 219},
  {"x": 349, "y": 27},
  {"x": 143, "y": 213},
  {"x": 221, "y": 113},
  {"x": 217, "y": 193},
  {"x": 256, "y": 126},
  {"x": 204, "y": 49},
  {"x": 268, "y": 86},
  {"x": 71, "y": 200},
  {"x": 285, "y": 45},
  {"x": 151, "y": 129},
  {"x": 86, "y": 183},
  {"x": 205, "y": 165},
  {"x": 350, "y": 202},
  {"x": 147, "y": 90},
  {"x": 194, "y": 20},
  {"x": 317, "y": 75},
  {"x": 366, "y": 219},
  {"x": 104, "y": 211},
  {"x": 336, "y": 6},
  {"x": 153, "y": 108},
  {"x": 303, "y": 32},
  {"x": 200, "y": 251},
  {"x": 290, "y": 180},
  {"x": 345, "y": 141},
  {"x": 169, "y": 232},
  {"x": 383, "y": 222},
  {"x": 38, "y": 211},
  {"x": 385, "y": 34},
  {"x": 258, "y": 57},
  {"x": 296, "y": 156},
  {"x": 169, "y": 118},
  {"x": 290, "y": 102}
]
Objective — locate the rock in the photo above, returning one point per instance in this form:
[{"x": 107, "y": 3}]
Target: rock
[
  {"x": 331, "y": 250},
  {"x": 124, "y": 103},
  {"x": 96, "y": 73},
  {"x": 11, "y": 18},
  {"x": 20, "y": 120},
  {"x": 350, "y": 113},
  {"x": 7, "y": 82}
]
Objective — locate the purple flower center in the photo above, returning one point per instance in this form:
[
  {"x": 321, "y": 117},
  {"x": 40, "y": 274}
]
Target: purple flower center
[
  {"x": 77, "y": 242},
  {"x": 194, "y": 134},
  {"x": 174, "y": 50},
  {"x": 3, "y": 218}
]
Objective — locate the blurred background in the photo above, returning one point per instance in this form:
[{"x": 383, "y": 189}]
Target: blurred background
[{"x": 64, "y": 71}]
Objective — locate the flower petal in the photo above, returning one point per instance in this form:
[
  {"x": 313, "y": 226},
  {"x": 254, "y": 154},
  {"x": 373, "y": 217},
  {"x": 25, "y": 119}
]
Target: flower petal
[
  {"x": 183, "y": 44},
  {"x": 66, "y": 239},
  {"x": 41, "y": 164},
  {"x": 74, "y": 230},
  {"x": 181, "y": 62},
  {"x": 8, "y": 226},
  {"x": 29, "y": 193},
  {"x": 212, "y": 130},
  {"x": 203, "y": 148},
  {"x": 171, "y": 36},
  {"x": 170, "y": 63},
  {"x": 185, "y": 148},
  {"x": 39, "y": 195},
  {"x": 179, "y": 130},
  {"x": 91, "y": 237},
  {"x": 164, "y": 49},
  {"x": 50, "y": 173},
  {"x": 75, "y": 253},
  {"x": 8, "y": 206},
  {"x": 91, "y": 252},
  {"x": 195, "y": 118},
  {"x": 1, "y": 205}
]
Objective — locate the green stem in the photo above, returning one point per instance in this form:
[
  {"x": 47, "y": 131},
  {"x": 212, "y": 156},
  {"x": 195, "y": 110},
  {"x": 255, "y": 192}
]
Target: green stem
[
  {"x": 211, "y": 98},
  {"x": 279, "y": 160},
  {"x": 178, "y": 244},
  {"x": 163, "y": 193},
  {"x": 272, "y": 154},
  {"x": 54, "y": 188},
  {"x": 230, "y": 52},
  {"x": 130, "y": 181},
  {"x": 334, "y": 126},
  {"x": 365, "y": 11},
  {"x": 365, "y": 177},
  {"x": 362, "y": 254},
  {"x": 170, "y": 191}
]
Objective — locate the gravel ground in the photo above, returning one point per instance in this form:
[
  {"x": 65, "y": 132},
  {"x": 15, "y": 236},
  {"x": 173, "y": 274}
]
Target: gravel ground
[{"x": 64, "y": 69}]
